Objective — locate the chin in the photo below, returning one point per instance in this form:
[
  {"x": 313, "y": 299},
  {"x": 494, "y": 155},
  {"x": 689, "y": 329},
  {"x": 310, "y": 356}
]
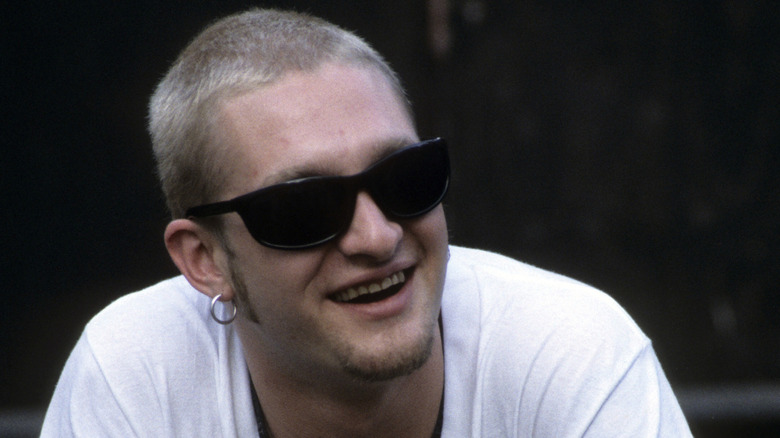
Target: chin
[{"x": 379, "y": 366}]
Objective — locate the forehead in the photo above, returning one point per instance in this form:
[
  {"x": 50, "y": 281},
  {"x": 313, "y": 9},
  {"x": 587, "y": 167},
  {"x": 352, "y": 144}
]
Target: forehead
[{"x": 335, "y": 120}]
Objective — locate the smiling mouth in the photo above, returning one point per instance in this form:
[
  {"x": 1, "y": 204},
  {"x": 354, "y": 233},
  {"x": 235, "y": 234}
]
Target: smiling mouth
[{"x": 372, "y": 292}]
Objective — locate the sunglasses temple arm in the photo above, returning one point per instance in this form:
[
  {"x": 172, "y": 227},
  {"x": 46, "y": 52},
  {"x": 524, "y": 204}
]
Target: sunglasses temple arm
[{"x": 211, "y": 209}]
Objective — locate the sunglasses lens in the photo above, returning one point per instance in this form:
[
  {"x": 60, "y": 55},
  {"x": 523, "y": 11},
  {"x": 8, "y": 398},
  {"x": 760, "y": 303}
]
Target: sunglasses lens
[
  {"x": 413, "y": 182},
  {"x": 306, "y": 213},
  {"x": 299, "y": 215}
]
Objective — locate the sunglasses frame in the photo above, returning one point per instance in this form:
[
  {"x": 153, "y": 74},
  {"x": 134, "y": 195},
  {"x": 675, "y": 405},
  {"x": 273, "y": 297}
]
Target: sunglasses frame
[{"x": 363, "y": 181}]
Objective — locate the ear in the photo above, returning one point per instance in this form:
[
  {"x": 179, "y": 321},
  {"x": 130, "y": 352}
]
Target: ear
[{"x": 199, "y": 257}]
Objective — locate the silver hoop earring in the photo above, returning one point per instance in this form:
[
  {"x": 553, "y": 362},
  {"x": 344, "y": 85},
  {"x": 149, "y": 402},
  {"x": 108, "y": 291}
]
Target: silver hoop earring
[{"x": 214, "y": 313}]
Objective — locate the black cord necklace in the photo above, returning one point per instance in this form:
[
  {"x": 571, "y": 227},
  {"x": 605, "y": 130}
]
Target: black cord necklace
[{"x": 262, "y": 429}]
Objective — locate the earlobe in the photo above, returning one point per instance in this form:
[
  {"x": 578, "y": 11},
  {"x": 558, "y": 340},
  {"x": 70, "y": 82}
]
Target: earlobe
[{"x": 194, "y": 251}]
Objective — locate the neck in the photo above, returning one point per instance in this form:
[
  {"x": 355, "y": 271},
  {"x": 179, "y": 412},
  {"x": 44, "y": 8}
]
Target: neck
[{"x": 405, "y": 406}]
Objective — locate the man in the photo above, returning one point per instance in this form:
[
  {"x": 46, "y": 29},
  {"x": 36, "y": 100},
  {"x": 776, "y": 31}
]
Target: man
[{"x": 319, "y": 294}]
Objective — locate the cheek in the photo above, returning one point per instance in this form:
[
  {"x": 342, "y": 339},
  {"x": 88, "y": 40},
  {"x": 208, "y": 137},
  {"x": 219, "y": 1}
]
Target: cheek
[
  {"x": 432, "y": 230},
  {"x": 274, "y": 280},
  {"x": 276, "y": 298},
  {"x": 430, "y": 234},
  {"x": 285, "y": 276}
]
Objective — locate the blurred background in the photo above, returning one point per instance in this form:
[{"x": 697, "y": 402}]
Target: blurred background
[{"x": 632, "y": 145}]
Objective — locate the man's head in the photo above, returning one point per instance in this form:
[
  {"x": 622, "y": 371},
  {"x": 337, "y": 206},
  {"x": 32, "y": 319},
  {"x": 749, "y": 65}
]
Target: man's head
[
  {"x": 234, "y": 55},
  {"x": 330, "y": 109}
]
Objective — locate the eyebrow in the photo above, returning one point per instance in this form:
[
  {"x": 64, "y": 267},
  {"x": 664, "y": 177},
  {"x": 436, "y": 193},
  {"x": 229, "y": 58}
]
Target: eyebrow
[{"x": 378, "y": 151}]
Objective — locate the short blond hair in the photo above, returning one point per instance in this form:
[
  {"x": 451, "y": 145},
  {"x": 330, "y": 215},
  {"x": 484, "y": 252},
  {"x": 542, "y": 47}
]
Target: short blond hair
[{"x": 236, "y": 54}]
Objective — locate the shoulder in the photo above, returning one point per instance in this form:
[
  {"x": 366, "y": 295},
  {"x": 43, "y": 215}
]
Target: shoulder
[
  {"x": 517, "y": 325},
  {"x": 157, "y": 315},
  {"x": 162, "y": 335},
  {"x": 508, "y": 293},
  {"x": 522, "y": 342},
  {"x": 153, "y": 361}
]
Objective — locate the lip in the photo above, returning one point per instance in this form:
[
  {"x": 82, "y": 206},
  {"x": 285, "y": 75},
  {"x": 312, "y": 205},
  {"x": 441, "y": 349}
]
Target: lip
[
  {"x": 374, "y": 276},
  {"x": 386, "y": 308}
]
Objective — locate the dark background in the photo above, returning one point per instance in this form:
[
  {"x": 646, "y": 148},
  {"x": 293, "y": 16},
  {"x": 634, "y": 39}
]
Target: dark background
[{"x": 633, "y": 145}]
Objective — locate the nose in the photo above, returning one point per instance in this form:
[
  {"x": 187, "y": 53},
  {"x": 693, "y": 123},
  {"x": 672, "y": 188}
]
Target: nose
[{"x": 370, "y": 233}]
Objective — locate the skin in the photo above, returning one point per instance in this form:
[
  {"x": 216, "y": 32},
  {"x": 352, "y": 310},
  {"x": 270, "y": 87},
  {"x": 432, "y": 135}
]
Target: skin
[{"x": 323, "y": 368}]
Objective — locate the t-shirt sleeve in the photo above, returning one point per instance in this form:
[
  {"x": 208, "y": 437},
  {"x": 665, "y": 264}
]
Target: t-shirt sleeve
[
  {"x": 597, "y": 375},
  {"x": 641, "y": 404}
]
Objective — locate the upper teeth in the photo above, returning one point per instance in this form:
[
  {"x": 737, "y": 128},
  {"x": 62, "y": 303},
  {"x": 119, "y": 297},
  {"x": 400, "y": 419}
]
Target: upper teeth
[{"x": 354, "y": 292}]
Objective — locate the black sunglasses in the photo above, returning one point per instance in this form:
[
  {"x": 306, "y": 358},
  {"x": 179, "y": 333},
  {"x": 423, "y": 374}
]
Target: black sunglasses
[{"x": 308, "y": 212}]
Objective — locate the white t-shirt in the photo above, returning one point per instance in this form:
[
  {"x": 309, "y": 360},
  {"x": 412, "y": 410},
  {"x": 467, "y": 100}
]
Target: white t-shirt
[{"x": 527, "y": 353}]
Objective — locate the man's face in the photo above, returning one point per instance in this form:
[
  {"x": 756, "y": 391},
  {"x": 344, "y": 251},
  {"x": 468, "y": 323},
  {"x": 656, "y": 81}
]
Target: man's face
[{"x": 337, "y": 120}]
